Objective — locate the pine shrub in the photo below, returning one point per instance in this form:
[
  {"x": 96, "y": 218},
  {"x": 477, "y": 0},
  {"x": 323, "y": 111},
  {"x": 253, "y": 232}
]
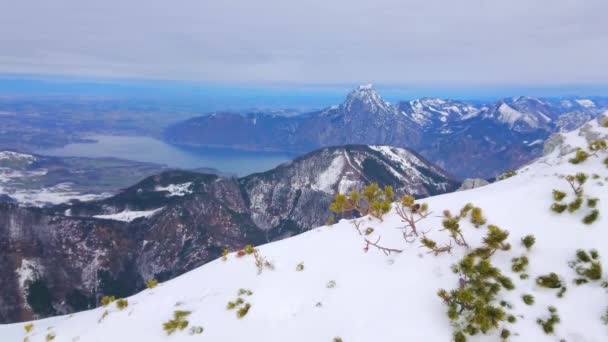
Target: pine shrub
[
  {"x": 458, "y": 336},
  {"x": 528, "y": 299},
  {"x": 591, "y": 217},
  {"x": 369, "y": 231},
  {"x": 558, "y": 195},
  {"x": 477, "y": 217},
  {"x": 528, "y": 241},
  {"x": 519, "y": 264},
  {"x": 177, "y": 323},
  {"x": 151, "y": 283},
  {"x": 225, "y": 254},
  {"x": 579, "y": 157},
  {"x": 337, "y": 339},
  {"x": 122, "y": 304},
  {"x": 575, "y": 205},
  {"x": 548, "y": 325},
  {"x": 248, "y": 249},
  {"x": 243, "y": 292},
  {"x": 241, "y": 312},
  {"x": 587, "y": 265},
  {"x": 50, "y": 337},
  {"x": 300, "y": 267},
  {"x": 28, "y": 327},
  {"x": 474, "y": 301},
  {"x": 592, "y": 202},
  {"x": 559, "y": 208},
  {"x": 105, "y": 300},
  {"x": 505, "y": 333},
  {"x": 598, "y": 145},
  {"x": 550, "y": 281},
  {"x": 506, "y": 175},
  {"x": 371, "y": 201}
]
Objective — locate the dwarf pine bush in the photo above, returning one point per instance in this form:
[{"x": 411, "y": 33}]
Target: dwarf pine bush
[
  {"x": 558, "y": 195},
  {"x": 28, "y": 327},
  {"x": 177, "y": 323},
  {"x": 528, "y": 241},
  {"x": 477, "y": 217},
  {"x": 50, "y": 337},
  {"x": 587, "y": 265},
  {"x": 579, "y": 157},
  {"x": 243, "y": 292},
  {"x": 591, "y": 217},
  {"x": 371, "y": 201},
  {"x": 300, "y": 267},
  {"x": 122, "y": 304},
  {"x": 452, "y": 225},
  {"x": 337, "y": 339},
  {"x": 519, "y": 264},
  {"x": 575, "y": 205},
  {"x": 606, "y": 162},
  {"x": 528, "y": 299},
  {"x": 598, "y": 145},
  {"x": 494, "y": 240},
  {"x": 473, "y": 304},
  {"x": 241, "y": 312},
  {"x": 552, "y": 281},
  {"x": 548, "y": 324},
  {"x": 559, "y": 208},
  {"x": 506, "y": 175},
  {"x": 105, "y": 300},
  {"x": 151, "y": 283}
]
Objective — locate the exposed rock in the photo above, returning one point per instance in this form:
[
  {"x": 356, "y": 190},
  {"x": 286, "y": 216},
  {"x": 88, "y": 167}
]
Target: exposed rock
[{"x": 472, "y": 183}]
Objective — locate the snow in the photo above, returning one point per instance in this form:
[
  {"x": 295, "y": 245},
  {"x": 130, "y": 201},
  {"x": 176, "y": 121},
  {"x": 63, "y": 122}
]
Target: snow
[
  {"x": 536, "y": 142},
  {"x": 176, "y": 189},
  {"x": 376, "y": 297},
  {"x": 128, "y": 216},
  {"x": 328, "y": 178},
  {"x": 16, "y": 156},
  {"x": 586, "y": 103}
]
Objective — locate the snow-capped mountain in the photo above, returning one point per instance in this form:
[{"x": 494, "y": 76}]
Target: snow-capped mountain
[
  {"x": 433, "y": 112},
  {"x": 175, "y": 221},
  {"x": 498, "y": 133},
  {"x": 346, "y": 282}
]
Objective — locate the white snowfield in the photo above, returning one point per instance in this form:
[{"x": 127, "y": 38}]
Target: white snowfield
[{"x": 378, "y": 297}]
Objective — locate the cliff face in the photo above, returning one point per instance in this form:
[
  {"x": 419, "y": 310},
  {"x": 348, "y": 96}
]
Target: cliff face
[{"x": 70, "y": 255}]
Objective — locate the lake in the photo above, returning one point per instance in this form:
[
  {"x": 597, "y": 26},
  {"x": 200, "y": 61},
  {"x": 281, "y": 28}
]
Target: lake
[{"x": 146, "y": 149}]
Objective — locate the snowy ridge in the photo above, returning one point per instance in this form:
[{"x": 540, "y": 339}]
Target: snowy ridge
[
  {"x": 369, "y": 296},
  {"x": 128, "y": 216}
]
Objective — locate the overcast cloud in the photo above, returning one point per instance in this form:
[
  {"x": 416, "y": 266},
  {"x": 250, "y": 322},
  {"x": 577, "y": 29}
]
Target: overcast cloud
[{"x": 469, "y": 42}]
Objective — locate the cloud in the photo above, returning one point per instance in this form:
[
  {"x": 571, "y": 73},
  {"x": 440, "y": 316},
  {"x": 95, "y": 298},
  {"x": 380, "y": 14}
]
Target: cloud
[{"x": 467, "y": 42}]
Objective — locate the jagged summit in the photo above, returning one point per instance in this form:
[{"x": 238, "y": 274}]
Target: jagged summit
[{"x": 365, "y": 98}]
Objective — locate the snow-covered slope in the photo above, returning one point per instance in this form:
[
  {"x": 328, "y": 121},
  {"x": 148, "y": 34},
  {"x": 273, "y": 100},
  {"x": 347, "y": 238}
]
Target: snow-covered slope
[{"x": 343, "y": 291}]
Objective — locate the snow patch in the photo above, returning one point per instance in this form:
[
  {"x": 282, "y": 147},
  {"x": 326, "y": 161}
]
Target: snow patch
[
  {"x": 176, "y": 189},
  {"x": 128, "y": 216}
]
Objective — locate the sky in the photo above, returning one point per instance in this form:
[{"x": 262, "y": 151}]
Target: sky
[{"x": 427, "y": 43}]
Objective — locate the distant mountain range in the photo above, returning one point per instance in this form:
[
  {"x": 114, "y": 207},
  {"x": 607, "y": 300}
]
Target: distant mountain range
[
  {"x": 456, "y": 135},
  {"x": 70, "y": 255}
]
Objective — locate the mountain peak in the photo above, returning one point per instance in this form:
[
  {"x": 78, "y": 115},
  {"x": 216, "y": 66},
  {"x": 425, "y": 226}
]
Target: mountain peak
[{"x": 366, "y": 99}]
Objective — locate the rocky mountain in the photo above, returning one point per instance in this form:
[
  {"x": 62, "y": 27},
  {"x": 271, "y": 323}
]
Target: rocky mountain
[
  {"x": 63, "y": 258},
  {"x": 521, "y": 270},
  {"x": 454, "y": 134}
]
